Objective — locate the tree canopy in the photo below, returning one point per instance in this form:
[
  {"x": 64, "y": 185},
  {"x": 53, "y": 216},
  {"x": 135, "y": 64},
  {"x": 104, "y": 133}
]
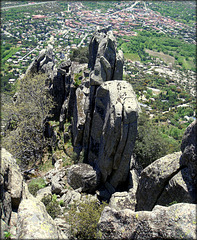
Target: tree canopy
[{"x": 26, "y": 119}]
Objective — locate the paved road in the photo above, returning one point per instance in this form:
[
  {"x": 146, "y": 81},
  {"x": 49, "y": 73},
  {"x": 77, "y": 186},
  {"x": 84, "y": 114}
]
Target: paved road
[
  {"x": 23, "y": 5},
  {"x": 27, "y": 54},
  {"x": 129, "y": 8},
  {"x": 79, "y": 45}
]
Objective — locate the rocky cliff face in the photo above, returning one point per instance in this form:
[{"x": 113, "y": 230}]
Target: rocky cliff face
[
  {"x": 169, "y": 180},
  {"x": 57, "y": 79},
  {"x": 22, "y": 215},
  {"x": 105, "y": 113}
]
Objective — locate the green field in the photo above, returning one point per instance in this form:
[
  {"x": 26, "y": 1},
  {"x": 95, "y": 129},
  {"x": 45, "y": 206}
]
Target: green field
[{"x": 132, "y": 56}]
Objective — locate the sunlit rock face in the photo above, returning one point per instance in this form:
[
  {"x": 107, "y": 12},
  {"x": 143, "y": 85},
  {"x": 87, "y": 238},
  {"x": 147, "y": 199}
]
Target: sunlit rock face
[{"x": 105, "y": 113}]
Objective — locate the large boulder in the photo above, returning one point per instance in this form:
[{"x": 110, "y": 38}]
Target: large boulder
[
  {"x": 11, "y": 185},
  {"x": 172, "y": 178},
  {"x": 82, "y": 176},
  {"x": 57, "y": 80},
  {"x": 154, "y": 178},
  {"x": 175, "y": 222},
  {"x": 35, "y": 223},
  {"x": 113, "y": 131}
]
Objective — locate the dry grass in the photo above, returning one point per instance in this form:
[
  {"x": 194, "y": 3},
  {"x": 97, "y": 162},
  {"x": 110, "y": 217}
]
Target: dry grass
[{"x": 165, "y": 57}]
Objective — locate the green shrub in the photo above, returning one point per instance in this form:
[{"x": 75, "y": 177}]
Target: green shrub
[
  {"x": 83, "y": 218},
  {"x": 7, "y": 235},
  {"x": 52, "y": 205},
  {"x": 35, "y": 185}
]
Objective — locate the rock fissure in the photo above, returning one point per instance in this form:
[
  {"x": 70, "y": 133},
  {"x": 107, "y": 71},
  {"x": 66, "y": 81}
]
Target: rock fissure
[{"x": 167, "y": 182}]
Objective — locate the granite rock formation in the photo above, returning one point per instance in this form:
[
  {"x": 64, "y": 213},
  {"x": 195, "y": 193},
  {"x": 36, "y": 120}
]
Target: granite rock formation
[
  {"x": 105, "y": 113},
  {"x": 175, "y": 222},
  {"x": 171, "y": 178},
  {"x": 21, "y": 214}
]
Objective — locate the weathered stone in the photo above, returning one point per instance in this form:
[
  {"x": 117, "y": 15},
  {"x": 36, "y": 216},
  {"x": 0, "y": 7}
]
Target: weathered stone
[
  {"x": 105, "y": 62},
  {"x": 79, "y": 117},
  {"x": 113, "y": 131},
  {"x": 179, "y": 189},
  {"x": 154, "y": 178},
  {"x": 122, "y": 200},
  {"x": 12, "y": 179},
  {"x": 13, "y": 224},
  {"x": 4, "y": 228},
  {"x": 118, "y": 72},
  {"x": 175, "y": 222},
  {"x": 64, "y": 226},
  {"x": 34, "y": 222},
  {"x": 189, "y": 152},
  {"x": 82, "y": 176},
  {"x": 43, "y": 192},
  {"x": 70, "y": 196}
]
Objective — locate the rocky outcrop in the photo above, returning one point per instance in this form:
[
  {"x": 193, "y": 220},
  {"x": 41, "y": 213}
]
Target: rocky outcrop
[
  {"x": 171, "y": 178},
  {"x": 11, "y": 184},
  {"x": 155, "y": 178},
  {"x": 113, "y": 131},
  {"x": 22, "y": 215},
  {"x": 104, "y": 60},
  {"x": 189, "y": 152},
  {"x": 105, "y": 113},
  {"x": 35, "y": 223},
  {"x": 57, "y": 80},
  {"x": 175, "y": 222}
]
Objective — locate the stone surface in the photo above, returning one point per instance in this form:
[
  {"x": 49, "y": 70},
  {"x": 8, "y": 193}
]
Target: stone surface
[
  {"x": 11, "y": 184},
  {"x": 34, "y": 222},
  {"x": 70, "y": 196},
  {"x": 57, "y": 80},
  {"x": 113, "y": 131},
  {"x": 154, "y": 178},
  {"x": 175, "y": 222},
  {"x": 82, "y": 176},
  {"x": 43, "y": 192},
  {"x": 189, "y": 151},
  {"x": 122, "y": 200},
  {"x": 104, "y": 60}
]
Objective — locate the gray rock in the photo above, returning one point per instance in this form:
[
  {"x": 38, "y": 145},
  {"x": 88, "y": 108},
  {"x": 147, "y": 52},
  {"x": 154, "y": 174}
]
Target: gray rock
[
  {"x": 154, "y": 178},
  {"x": 70, "y": 196},
  {"x": 113, "y": 131},
  {"x": 105, "y": 62},
  {"x": 43, "y": 192},
  {"x": 179, "y": 189},
  {"x": 4, "y": 228},
  {"x": 11, "y": 184},
  {"x": 118, "y": 72},
  {"x": 82, "y": 176},
  {"x": 13, "y": 224},
  {"x": 34, "y": 222},
  {"x": 189, "y": 151},
  {"x": 64, "y": 226},
  {"x": 57, "y": 80},
  {"x": 175, "y": 222},
  {"x": 122, "y": 200}
]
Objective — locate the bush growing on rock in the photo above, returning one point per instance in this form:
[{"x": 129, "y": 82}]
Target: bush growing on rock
[
  {"x": 83, "y": 218},
  {"x": 35, "y": 185},
  {"x": 52, "y": 205}
]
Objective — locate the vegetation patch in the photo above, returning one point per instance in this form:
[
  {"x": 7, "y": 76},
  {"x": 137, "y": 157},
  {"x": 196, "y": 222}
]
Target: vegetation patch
[
  {"x": 52, "y": 205},
  {"x": 83, "y": 218},
  {"x": 35, "y": 185}
]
